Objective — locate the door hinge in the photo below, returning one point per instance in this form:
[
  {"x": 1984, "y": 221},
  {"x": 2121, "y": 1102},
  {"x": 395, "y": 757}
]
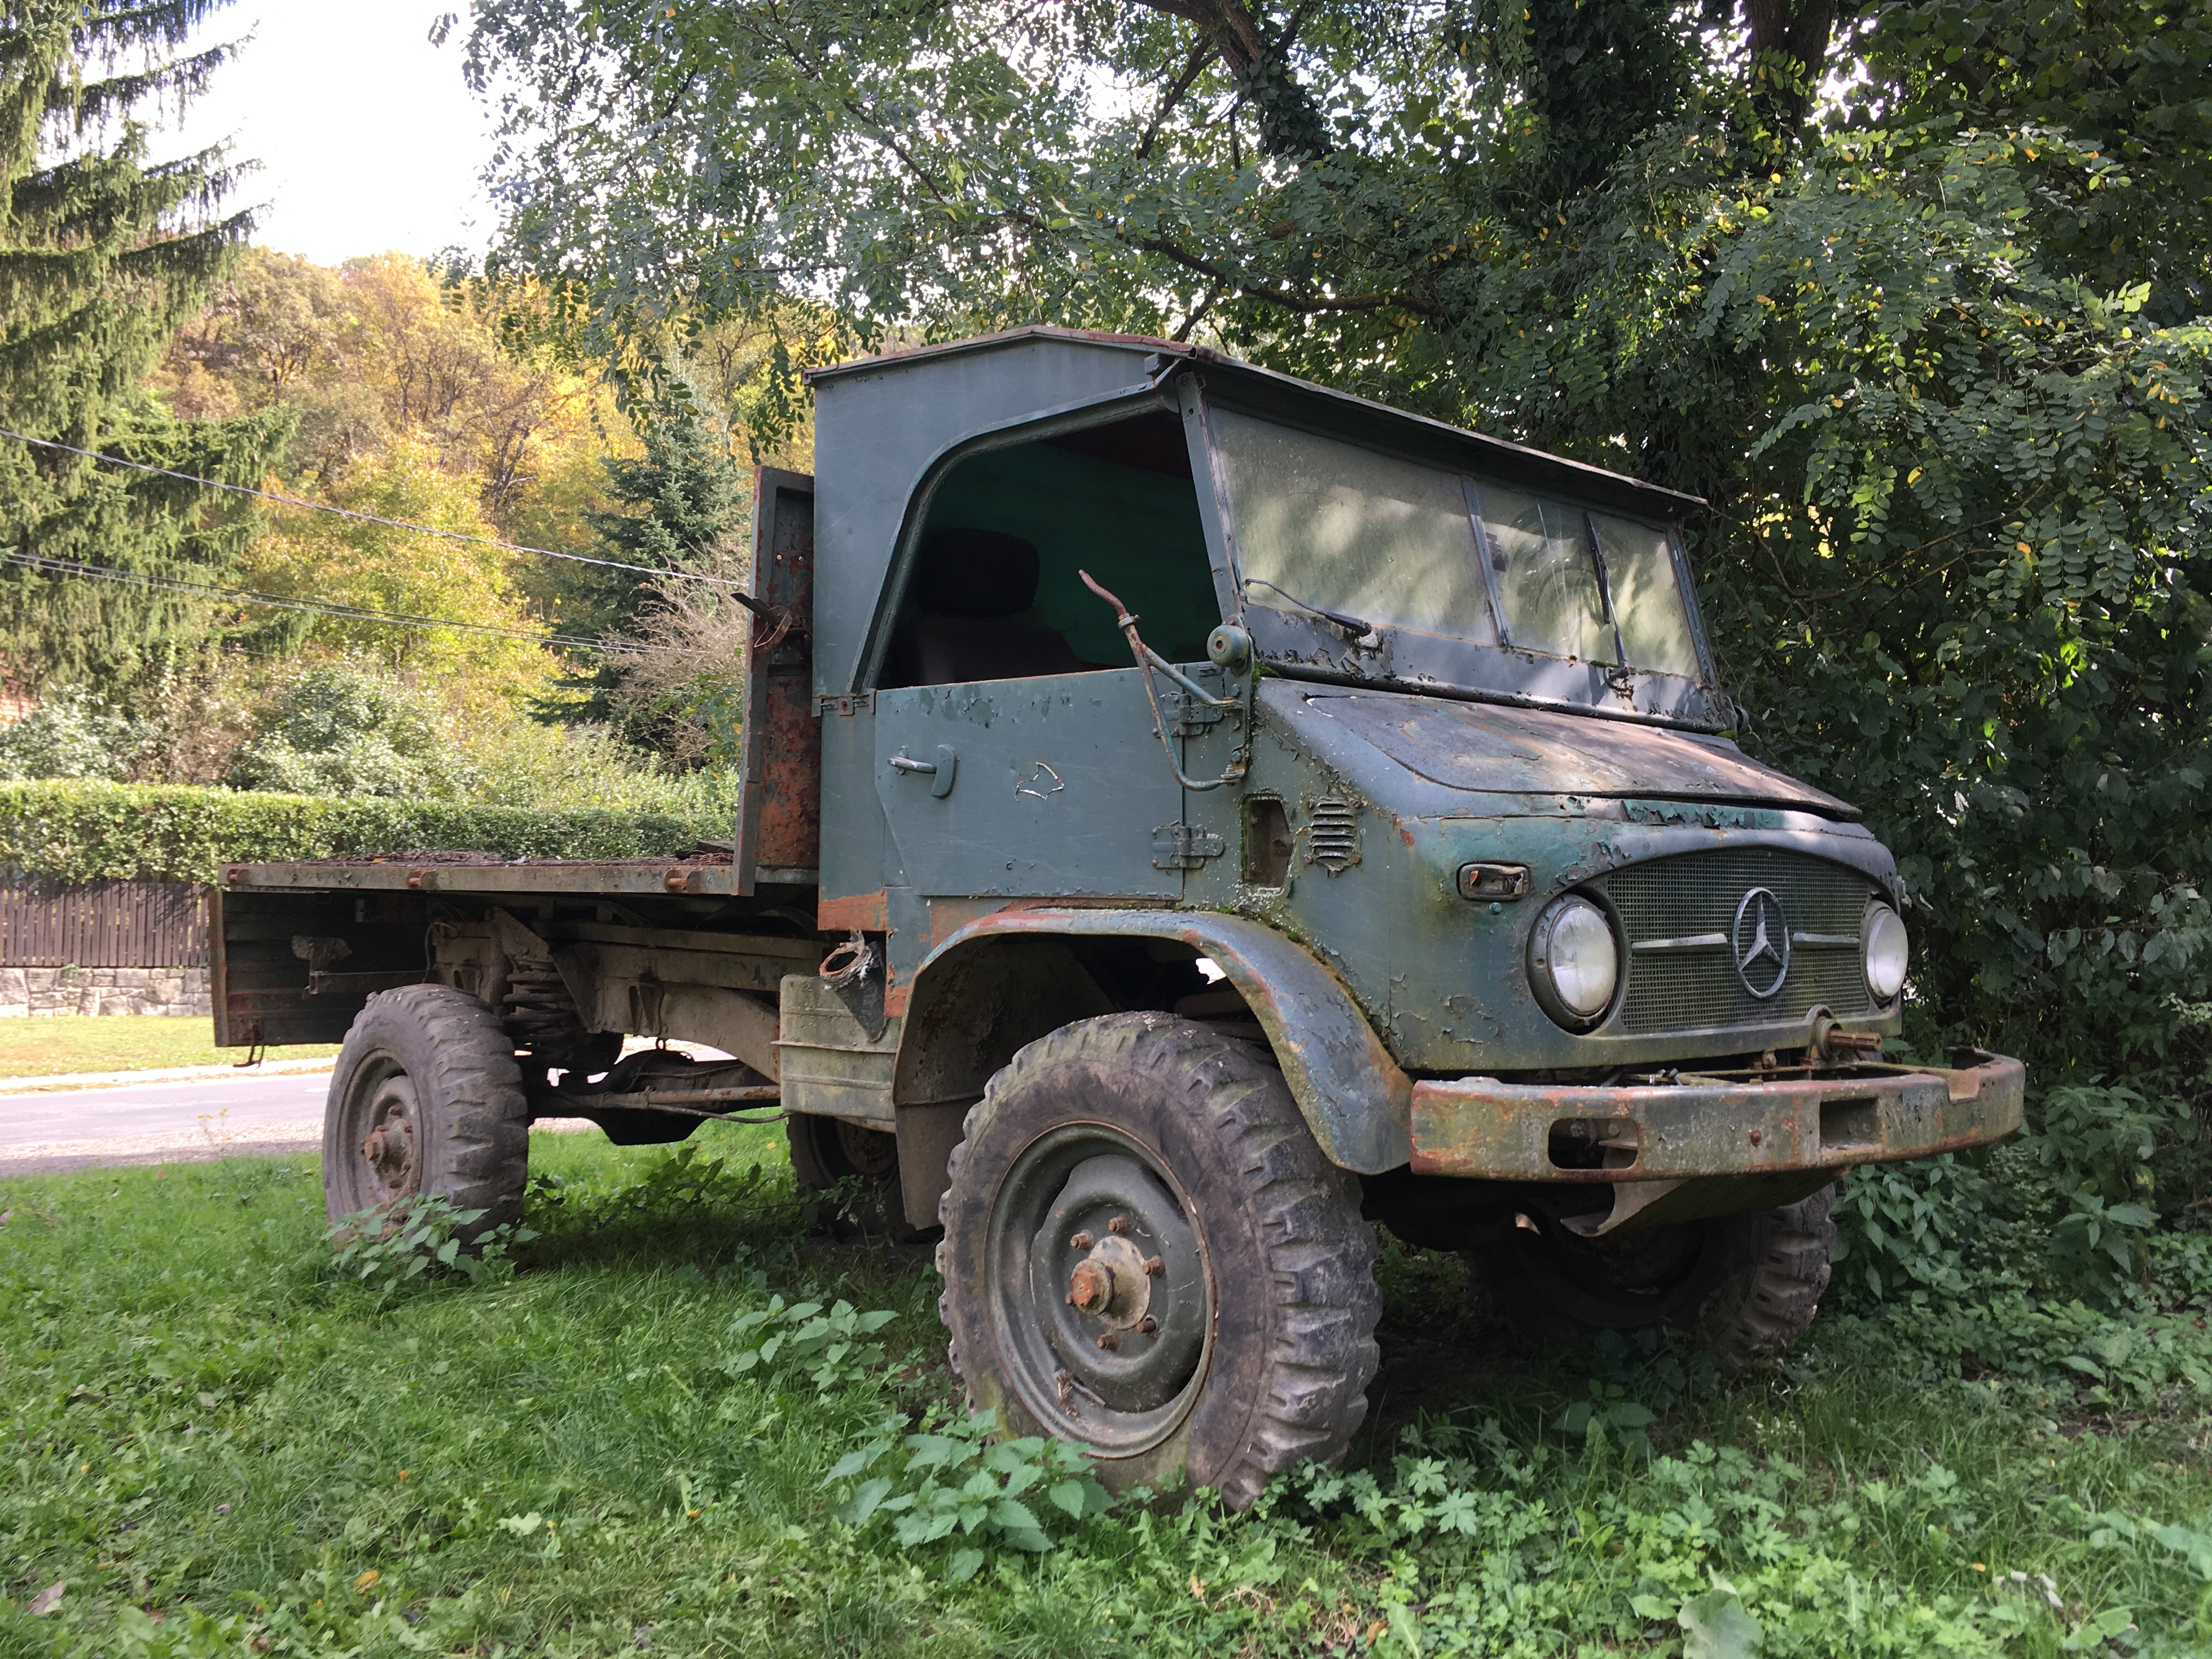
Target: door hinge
[{"x": 1184, "y": 846}]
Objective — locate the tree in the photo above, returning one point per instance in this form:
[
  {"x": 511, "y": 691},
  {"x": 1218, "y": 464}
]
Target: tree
[
  {"x": 686, "y": 503},
  {"x": 104, "y": 253},
  {"x": 1930, "y": 348},
  {"x": 390, "y": 571}
]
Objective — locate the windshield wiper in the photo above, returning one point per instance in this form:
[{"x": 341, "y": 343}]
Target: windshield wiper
[{"x": 1351, "y": 625}]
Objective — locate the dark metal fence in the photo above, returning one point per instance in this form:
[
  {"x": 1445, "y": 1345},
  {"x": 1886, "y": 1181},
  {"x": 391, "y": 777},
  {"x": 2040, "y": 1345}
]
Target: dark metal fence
[{"x": 102, "y": 924}]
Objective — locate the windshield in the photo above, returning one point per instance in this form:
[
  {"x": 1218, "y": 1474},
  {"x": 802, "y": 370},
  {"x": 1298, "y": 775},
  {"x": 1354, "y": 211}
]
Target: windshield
[
  {"x": 1329, "y": 526},
  {"x": 1340, "y": 528}
]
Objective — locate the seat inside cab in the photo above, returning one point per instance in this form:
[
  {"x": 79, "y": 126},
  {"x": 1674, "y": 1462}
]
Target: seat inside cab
[{"x": 994, "y": 593}]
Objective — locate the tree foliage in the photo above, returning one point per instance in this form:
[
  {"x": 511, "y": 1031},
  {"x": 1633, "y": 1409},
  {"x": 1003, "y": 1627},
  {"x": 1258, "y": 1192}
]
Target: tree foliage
[
  {"x": 104, "y": 253},
  {"x": 1930, "y": 347}
]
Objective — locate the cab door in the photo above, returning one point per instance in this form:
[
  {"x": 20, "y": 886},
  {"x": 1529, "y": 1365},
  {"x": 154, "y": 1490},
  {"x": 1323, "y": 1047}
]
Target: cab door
[{"x": 1050, "y": 787}]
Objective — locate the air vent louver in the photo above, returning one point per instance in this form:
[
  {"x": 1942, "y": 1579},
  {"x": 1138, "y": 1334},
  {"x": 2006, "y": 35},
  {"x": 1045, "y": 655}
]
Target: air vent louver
[{"x": 1332, "y": 833}]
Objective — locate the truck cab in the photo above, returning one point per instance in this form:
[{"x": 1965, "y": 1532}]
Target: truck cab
[{"x": 1191, "y": 817}]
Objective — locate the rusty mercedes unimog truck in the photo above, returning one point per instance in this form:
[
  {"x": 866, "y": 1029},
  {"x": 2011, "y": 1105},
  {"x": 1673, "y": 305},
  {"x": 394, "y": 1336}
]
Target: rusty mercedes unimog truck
[{"x": 1189, "y": 817}]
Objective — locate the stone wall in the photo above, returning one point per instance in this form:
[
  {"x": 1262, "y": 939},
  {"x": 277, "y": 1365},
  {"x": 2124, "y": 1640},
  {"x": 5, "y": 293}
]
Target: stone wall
[{"x": 36, "y": 991}]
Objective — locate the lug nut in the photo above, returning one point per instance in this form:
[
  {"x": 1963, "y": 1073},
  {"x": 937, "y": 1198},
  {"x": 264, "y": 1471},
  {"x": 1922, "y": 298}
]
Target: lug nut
[
  {"x": 1109, "y": 1340},
  {"x": 1154, "y": 1266},
  {"x": 1119, "y": 1223},
  {"x": 1080, "y": 1241},
  {"x": 1147, "y": 1325}
]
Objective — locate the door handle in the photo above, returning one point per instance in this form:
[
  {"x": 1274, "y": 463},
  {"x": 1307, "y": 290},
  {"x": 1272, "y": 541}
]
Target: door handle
[{"x": 939, "y": 771}]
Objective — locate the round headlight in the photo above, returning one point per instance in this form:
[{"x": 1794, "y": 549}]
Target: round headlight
[
  {"x": 1574, "y": 961},
  {"x": 1887, "y": 952}
]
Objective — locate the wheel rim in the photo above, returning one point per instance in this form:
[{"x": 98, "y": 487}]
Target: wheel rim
[
  {"x": 872, "y": 1154},
  {"x": 383, "y": 1111},
  {"x": 1106, "y": 1328}
]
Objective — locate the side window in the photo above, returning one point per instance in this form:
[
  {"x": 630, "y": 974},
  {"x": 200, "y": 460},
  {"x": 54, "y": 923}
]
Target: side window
[{"x": 994, "y": 593}]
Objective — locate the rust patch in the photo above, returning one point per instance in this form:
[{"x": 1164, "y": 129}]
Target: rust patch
[{"x": 866, "y": 913}]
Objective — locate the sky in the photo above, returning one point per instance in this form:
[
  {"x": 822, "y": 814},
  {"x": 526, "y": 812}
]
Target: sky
[{"x": 369, "y": 140}]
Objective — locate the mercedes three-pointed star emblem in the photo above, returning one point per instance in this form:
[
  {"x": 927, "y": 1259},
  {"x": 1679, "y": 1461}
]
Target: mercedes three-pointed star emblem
[{"x": 1760, "y": 943}]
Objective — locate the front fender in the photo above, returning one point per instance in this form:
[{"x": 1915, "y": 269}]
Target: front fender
[{"x": 1355, "y": 1098}]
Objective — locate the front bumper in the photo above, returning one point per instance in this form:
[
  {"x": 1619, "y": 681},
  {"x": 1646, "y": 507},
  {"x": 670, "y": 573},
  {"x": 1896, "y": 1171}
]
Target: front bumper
[{"x": 1737, "y": 1123}]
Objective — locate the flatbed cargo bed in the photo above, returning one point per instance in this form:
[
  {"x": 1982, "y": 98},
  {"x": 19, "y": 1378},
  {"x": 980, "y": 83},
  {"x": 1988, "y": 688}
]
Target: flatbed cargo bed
[{"x": 536, "y": 876}]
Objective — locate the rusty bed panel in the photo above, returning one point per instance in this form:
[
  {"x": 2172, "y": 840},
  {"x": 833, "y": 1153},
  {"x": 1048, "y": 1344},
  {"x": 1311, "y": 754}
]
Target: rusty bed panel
[
  {"x": 780, "y": 791},
  {"x": 1478, "y": 1128}
]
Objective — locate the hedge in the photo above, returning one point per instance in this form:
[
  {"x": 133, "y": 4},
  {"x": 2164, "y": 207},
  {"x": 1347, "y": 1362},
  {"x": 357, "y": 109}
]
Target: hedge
[{"x": 74, "y": 831}]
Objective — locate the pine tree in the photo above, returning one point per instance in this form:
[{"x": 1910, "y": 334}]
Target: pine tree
[
  {"x": 682, "y": 498},
  {"x": 685, "y": 499},
  {"x": 104, "y": 254}
]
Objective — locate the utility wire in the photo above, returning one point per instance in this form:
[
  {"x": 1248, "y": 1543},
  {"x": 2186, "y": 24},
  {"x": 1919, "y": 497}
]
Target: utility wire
[
  {"x": 656, "y": 571},
  {"x": 283, "y": 602}
]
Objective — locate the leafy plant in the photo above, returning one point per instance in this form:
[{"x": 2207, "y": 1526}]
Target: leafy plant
[
  {"x": 958, "y": 1478},
  {"x": 828, "y": 1345},
  {"x": 1903, "y": 1226},
  {"x": 420, "y": 1238}
]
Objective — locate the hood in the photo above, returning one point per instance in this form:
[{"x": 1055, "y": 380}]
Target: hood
[{"x": 1495, "y": 748}]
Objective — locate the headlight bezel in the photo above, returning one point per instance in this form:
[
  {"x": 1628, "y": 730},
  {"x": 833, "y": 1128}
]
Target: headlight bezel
[
  {"x": 1543, "y": 939},
  {"x": 1878, "y": 912}
]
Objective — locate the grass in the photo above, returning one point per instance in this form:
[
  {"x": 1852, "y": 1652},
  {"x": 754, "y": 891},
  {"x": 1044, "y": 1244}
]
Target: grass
[
  {"x": 54, "y": 1046},
  {"x": 218, "y": 1448}
]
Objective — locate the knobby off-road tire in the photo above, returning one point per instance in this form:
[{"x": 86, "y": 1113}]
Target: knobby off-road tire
[
  {"x": 1237, "y": 1241},
  {"x": 426, "y": 1098},
  {"x": 827, "y": 1152},
  {"x": 1744, "y": 1287}
]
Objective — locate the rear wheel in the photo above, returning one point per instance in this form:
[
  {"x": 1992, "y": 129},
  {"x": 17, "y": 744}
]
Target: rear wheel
[
  {"x": 1146, "y": 1254},
  {"x": 425, "y": 1098},
  {"x": 1746, "y": 1287},
  {"x": 859, "y": 1166}
]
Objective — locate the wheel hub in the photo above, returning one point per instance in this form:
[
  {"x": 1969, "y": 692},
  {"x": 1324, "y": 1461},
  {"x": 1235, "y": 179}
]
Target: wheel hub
[
  {"x": 1119, "y": 1285},
  {"x": 390, "y": 1147},
  {"x": 1114, "y": 1282}
]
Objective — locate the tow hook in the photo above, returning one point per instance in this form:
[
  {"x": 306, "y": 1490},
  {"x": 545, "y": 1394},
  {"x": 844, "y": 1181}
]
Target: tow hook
[{"x": 1832, "y": 1043}]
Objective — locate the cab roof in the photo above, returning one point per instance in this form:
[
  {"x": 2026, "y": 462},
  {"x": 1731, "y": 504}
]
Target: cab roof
[{"x": 1307, "y": 402}]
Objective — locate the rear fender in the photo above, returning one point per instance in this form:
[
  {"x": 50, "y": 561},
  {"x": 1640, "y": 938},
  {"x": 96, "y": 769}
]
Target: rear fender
[{"x": 1009, "y": 978}]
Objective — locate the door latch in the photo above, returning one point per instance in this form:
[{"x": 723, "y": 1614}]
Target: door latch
[
  {"x": 939, "y": 771},
  {"x": 1186, "y": 715},
  {"x": 1184, "y": 846}
]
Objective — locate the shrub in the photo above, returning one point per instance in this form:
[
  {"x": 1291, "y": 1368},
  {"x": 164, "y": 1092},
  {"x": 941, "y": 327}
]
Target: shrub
[
  {"x": 73, "y": 734},
  {"x": 86, "y": 830},
  {"x": 337, "y": 730}
]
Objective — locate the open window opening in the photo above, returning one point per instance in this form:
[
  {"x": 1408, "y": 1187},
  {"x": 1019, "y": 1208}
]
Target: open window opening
[{"x": 995, "y": 594}]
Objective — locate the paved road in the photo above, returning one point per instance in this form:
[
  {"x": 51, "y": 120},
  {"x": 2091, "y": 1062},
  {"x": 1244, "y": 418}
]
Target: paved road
[
  {"x": 219, "y": 1104},
  {"x": 147, "y": 1122}
]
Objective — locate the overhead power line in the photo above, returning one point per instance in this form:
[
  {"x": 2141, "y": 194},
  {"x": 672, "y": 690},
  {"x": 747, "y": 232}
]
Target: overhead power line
[
  {"x": 286, "y": 602},
  {"x": 656, "y": 571}
]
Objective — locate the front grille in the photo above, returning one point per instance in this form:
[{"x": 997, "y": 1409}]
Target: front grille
[{"x": 1696, "y": 987}]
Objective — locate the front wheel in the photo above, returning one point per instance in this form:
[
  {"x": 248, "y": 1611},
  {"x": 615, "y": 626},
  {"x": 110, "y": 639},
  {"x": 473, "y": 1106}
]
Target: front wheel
[
  {"x": 426, "y": 1097},
  {"x": 1146, "y": 1254},
  {"x": 1744, "y": 1287}
]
